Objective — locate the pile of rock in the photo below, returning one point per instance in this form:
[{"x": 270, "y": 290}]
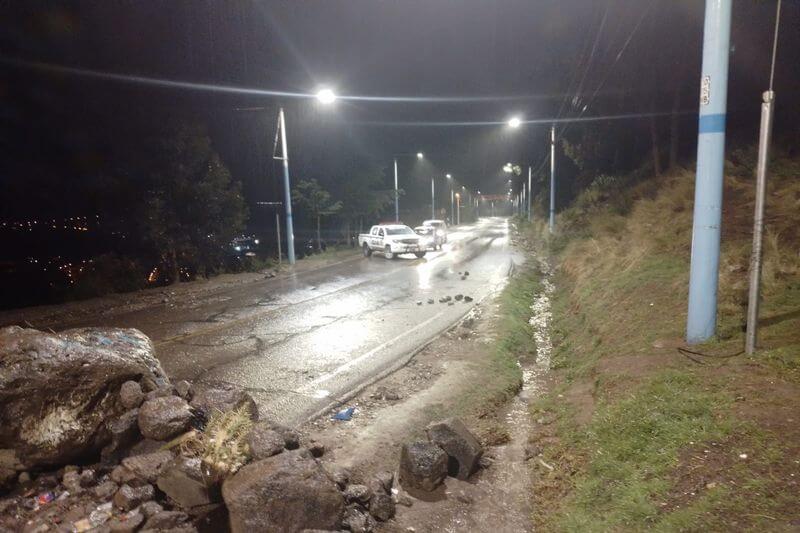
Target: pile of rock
[
  {"x": 451, "y": 449},
  {"x": 98, "y": 397}
]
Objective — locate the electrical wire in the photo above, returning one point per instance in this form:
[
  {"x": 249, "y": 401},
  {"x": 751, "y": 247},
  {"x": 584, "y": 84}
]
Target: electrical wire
[
  {"x": 689, "y": 354},
  {"x": 775, "y": 45},
  {"x": 610, "y": 68}
]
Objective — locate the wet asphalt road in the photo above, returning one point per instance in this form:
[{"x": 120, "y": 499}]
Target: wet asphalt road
[{"x": 302, "y": 342}]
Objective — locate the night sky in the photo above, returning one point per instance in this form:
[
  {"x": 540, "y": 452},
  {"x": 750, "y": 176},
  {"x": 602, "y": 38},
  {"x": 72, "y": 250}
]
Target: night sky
[{"x": 539, "y": 59}]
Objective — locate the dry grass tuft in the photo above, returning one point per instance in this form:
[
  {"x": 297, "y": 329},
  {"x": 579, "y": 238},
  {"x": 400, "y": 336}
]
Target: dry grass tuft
[{"x": 222, "y": 445}]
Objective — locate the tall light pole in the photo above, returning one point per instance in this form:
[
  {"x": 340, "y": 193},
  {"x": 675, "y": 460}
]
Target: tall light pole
[
  {"x": 530, "y": 212},
  {"x": 552, "y": 177},
  {"x": 420, "y": 155},
  {"x": 458, "y": 210},
  {"x": 287, "y": 188},
  {"x": 452, "y": 204},
  {"x": 433, "y": 199},
  {"x": 701, "y": 321},
  {"x": 751, "y": 333},
  {"x": 396, "y": 195},
  {"x": 324, "y": 96}
]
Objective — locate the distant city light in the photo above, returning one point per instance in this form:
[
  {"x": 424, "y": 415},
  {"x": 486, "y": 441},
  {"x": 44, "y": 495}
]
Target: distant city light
[
  {"x": 326, "y": 96},
  {"x": 420, "y": 155}
]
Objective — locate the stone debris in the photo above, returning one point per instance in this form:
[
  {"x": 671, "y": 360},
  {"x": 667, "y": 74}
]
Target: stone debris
[
  {"x": 185, "y": 390},
  {"x": 264, "y": 441},
  {"x": 165, "y": 520},
  {"x": 286, "y": 492},
  {"x": 146, "y": 467},
  {"x": 461, "y": 446},
  {"x": 341, "y": 476},
  {"x": 357, "y": 493},
  {"x": 146, "y": 433},
  {"x": 124, "y": 433},
  {"x": 385, "y": 393},
  {"x": 128, "y": 497},
  {"x": 105, "y": 490},
  {"x": 184, "y": 483},
  {"x": 223, "y": 397},
  {"x": 164, "y": 418},
  {"x": 131, "y": 395},
  {"x": 382, "y": 507},
  {"x": 423, "y": 466},
  {"x": 127, "y": 523}
]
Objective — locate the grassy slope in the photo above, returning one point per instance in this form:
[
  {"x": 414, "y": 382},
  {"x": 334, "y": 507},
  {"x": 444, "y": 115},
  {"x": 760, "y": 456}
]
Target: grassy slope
[{"x": 641, "y": 436}]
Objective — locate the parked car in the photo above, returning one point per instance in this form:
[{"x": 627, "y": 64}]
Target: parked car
[
  {"x": 440, "y": 225},
  {"x": 244, "y": 246},
  {"x": 429, "y": 237},
  {"x": 391, "y": 239}
]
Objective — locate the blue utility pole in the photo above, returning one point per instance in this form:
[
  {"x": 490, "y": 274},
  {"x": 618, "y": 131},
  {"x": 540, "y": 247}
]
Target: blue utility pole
[
  {"x": 552, "y": 177},
  {"x": 704, "y": 273}
]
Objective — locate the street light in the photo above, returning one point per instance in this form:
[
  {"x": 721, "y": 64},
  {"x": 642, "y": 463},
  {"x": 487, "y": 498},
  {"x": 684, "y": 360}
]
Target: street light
[
  {"x": 458, "y": 211},
  {"x": 326, "y": 96},
  {"x": 452, "y": 201},
  {"x": 420, "y": 155},
  {"x": 514, "y": 122}
]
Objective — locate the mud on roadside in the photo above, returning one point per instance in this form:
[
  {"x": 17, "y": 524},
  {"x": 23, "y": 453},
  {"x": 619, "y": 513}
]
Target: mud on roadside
[{"x": 452, "y": 376}]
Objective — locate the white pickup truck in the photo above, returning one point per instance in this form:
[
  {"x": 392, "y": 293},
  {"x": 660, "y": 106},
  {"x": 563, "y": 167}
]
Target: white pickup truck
[{"x": 391, "y": 239}]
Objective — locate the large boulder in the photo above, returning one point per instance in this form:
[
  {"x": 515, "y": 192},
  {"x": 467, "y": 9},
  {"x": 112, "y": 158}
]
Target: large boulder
[
  {"x": 58, "y": 391},
  {"x": 288, "y": 492},
  {"x": 423, "y": 466},
  {"x": 462, "y": 448}
]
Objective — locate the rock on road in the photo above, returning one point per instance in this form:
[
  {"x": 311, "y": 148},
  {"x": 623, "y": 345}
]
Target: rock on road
[{"x": 300, "y": 342}]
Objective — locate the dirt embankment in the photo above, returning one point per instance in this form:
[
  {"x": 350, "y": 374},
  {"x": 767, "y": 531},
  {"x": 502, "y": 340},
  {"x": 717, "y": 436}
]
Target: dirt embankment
[{"x": 639, "y": 433}]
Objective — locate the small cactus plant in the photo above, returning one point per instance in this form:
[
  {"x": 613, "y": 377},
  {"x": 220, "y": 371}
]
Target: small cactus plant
[{"x": 222, "y": 444}]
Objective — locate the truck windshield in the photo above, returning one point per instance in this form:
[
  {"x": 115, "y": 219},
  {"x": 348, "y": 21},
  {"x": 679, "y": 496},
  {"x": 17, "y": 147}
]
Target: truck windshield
[{"x": 399, "y": 231}]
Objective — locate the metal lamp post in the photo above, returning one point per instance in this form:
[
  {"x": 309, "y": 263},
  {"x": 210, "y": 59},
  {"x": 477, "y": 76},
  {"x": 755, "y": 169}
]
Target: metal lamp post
[
  {"x": 324, "y": 96},
  {"x": 452, "y": 204},
  {"x": 419, "y": 155}
]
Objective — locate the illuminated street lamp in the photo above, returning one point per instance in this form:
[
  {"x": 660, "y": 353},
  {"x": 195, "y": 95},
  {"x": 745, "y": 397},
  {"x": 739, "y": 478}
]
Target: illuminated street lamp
[
  {"x": 452, "y": 201},
  {"x": 420, "y": 155},
  {"x": 514, "y": 122},
  {"x": 326, "y": 96}
]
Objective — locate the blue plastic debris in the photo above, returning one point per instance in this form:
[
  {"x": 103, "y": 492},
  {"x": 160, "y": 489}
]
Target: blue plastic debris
[{"x": 345, "y": 414}]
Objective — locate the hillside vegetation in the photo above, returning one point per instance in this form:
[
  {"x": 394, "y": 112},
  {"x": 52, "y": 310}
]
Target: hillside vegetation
[{"x": 643, "y": 436}]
